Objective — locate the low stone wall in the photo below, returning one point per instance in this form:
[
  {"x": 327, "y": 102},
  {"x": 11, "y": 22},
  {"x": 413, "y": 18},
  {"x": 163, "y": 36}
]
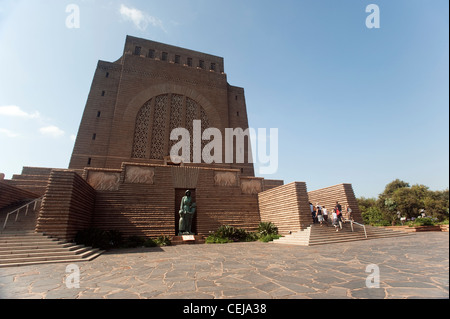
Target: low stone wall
[{"x": 419, "y": 228}]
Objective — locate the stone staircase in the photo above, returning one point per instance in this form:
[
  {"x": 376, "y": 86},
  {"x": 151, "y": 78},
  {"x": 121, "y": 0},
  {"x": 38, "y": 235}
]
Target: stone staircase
[
  {"x": 20, "y": 245},
  {"x": 321, "y": 235}
]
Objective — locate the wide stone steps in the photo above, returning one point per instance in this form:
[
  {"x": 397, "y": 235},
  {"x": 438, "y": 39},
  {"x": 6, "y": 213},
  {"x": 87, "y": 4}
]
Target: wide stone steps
[
  {"x": 320, "y": 235},
  {"x": 32, "y": 248},
  {"x": 20, "y": 245}
]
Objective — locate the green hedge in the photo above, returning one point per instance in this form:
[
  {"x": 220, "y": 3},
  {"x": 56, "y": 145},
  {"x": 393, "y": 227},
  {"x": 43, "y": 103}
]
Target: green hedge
[{"x": 228, "y": 234}]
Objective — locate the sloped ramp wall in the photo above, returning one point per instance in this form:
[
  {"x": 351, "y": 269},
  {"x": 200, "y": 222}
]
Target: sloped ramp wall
[
  {"x": 343, "y": 193},
  {"x": 10, "y": 194},
  {"x": 67, "y": 206},
  {"x": 286, "y": 206}
]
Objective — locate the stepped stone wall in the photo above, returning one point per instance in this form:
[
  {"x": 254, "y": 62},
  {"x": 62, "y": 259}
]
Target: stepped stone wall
[
  {"x": 286, "y": 206},
  {"x": 343, "y": 193},
  {"x": 67, "y": 206},
  {"x": 32, "y": 179},
  {"x": 10, "y": 194}
]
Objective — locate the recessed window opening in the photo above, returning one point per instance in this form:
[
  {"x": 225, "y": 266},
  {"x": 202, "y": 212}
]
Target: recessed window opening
[{"x": 137, "y": 50}]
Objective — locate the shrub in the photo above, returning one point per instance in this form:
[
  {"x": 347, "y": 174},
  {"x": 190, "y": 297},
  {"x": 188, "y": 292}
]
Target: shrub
[
  {"x": 214, "y": 239},
  {"x": 226, "y": 234},
  {"x": 98, "y": 238},
  {"x": 134, "y": 241},
  {"x": 423, "y": 221},
  {"x": 149, "y": 242},
  {"x": 267, "y": 238},
  {"x": 225, "y": 231},
  {"x": 267, "y": 228},
  {"x": 163, "y": 241},
  {"x": 251, "y": 237},
  {"x": 382, "y": 223},
  {"x": 115, "y": 238},
  {"x": 374, "y": 216}
]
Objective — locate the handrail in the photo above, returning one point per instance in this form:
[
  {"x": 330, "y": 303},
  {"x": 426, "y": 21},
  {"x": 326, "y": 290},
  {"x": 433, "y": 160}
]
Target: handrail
[
  {"x": 362, "y": 225},
  {"x": 17, "y": 210}
]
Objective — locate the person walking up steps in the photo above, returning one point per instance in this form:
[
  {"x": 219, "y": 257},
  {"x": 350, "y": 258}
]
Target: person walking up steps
[
  {"x": 325, "y": 215},
  {"x": 319, "y": 214},
  {"x": 339, "y": 217},
  {"x": 349, "y": 212},
  {"x": 334, "y": 219}
]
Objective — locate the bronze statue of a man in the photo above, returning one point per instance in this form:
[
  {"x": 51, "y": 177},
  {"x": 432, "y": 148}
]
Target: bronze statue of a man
[{"x": 187, "y": 211}]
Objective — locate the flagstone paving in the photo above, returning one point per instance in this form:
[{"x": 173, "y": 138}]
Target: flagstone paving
[{"x": 416, "y": 266}]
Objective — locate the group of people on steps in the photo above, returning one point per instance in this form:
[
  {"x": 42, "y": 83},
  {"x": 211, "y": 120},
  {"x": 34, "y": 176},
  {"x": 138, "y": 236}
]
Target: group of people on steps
[{"x": 320, "y": 215}]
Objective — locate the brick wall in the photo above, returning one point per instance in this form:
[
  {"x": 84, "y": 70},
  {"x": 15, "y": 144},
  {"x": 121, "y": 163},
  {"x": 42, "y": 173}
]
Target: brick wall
[
  {"x": 32, "y": 179},
  {"x": 67, "y": 205},
  {"x": 119, "y": 90},
  {"x": 286, "y": 206},
  {"x": 139, "y": 199},
  {"x": 10, "y": 194}
]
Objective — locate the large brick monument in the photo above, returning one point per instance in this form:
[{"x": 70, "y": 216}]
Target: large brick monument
[{"x": 121, "y": 175}]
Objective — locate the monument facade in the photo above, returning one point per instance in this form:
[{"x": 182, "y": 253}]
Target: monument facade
[
  {"x": 121, "y": 175},
  {"x": 136, "y": 102}
]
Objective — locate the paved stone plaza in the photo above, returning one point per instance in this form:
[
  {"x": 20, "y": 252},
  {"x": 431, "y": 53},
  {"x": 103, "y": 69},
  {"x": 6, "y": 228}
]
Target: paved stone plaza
[{"x": 415, "y": 266}]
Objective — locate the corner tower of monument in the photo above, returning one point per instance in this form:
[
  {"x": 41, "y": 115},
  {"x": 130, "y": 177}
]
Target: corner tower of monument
[{"x": 135, "y": 102}]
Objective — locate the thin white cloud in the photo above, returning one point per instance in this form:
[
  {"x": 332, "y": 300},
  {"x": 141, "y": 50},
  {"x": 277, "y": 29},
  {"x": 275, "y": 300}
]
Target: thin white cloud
[
  {"x": 52, "y": 131},
  {"x": 15, "y": 111},
  {"x": 140, "y": 19},
  {"x": 8, "y": 133},
  {"x": 73, "y": 137}
]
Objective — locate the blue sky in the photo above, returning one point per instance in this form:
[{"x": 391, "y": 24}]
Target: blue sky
[{"x": 352, "y": 104}]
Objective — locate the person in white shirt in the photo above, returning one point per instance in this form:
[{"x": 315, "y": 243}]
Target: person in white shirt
[
  {"x": 319, "y": 214},
  {"x": 325, "y": 215},
  {"x": 335, "y": 219}
]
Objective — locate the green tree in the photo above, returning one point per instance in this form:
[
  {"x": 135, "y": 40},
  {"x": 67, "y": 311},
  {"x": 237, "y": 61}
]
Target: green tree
[
  {"x": 365, "y": 203},
  {"x": 436, "y": 204},
  {"x": 399, "y": 196},
  {"x": 374, "y": 216},
  {"x": 392, "y": 187},
  {"x": 409, "y": 200}
]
